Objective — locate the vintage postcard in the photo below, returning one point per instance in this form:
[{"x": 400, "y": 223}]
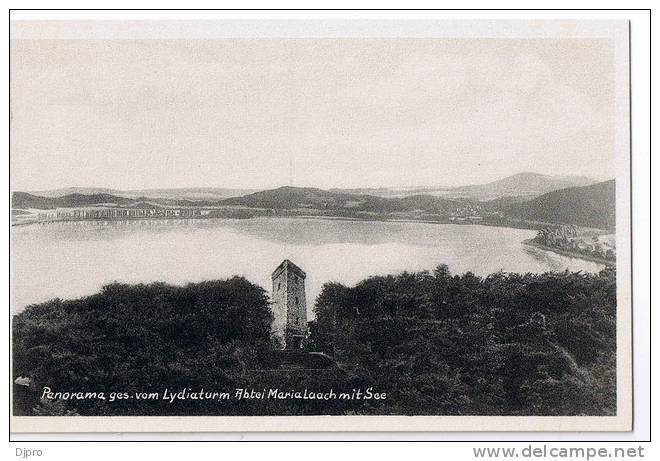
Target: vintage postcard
[{"x": 267, "y": 225}]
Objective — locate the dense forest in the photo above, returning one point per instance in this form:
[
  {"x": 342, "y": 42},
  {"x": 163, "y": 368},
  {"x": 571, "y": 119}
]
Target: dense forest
[
  {"x": 436, "y": 343},
  {"x": 507, "y": 344},
  {"x": 133, "y": 338},
  {"x": 588, "y": 206}
]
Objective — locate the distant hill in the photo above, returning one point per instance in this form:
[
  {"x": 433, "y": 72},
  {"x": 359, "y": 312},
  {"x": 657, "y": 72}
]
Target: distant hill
[
  {"x": 525, "y": 185},
  {"x": 522, "y": 184},
  {"x": 72, "y": 190},
  {"x": 187, "y": 193},
  {"x": 292, "y": 197},
  {"x": 518, "y": 185},
  {"x": 382, "y": 191},
  {"x": 502, "y": 203},
  {"x": 517, "y": 196},
  {"x": 313, "y": 198},
  {"x": 427, "y": 203},
  {"x": 24, "y": 200},
  {"x": 589, "y": 206}
]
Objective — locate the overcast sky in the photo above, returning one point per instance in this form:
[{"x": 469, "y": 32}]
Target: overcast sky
[{"x": 133, "y": 114}]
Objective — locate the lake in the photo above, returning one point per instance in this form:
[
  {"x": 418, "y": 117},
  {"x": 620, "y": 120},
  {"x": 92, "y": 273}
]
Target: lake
[{"x": 72, "y": 259}]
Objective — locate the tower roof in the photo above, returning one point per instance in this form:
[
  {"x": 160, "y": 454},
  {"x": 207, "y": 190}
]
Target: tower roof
[{"x": 286, "y": 264}]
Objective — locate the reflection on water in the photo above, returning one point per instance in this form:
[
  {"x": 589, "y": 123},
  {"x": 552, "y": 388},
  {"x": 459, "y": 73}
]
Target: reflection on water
[{"x": 68, "y": 260}]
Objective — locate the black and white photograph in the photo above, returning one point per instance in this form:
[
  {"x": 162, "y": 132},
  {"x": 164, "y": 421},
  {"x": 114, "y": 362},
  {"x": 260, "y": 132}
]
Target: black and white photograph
[{"x": 320, "y": 225}]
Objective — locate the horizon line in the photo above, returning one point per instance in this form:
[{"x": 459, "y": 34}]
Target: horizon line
[{"x": 262, "y": 188}]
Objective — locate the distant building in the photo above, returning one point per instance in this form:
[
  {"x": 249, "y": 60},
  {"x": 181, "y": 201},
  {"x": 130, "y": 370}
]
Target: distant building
[
  {"x": 289, "y": 306},
  {"x": 75, "y": 214}
]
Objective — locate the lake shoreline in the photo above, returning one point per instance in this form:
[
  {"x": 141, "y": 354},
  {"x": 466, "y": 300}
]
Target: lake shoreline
[
  {"x": 142, "y": 251},
  {"x": 570, "y": 254},
  {"x": 529, "y": 225}
]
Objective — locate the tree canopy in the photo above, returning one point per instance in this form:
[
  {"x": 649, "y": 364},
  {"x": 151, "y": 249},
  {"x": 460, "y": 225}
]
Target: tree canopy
[
  {"x": 514, "y": 344},
  {"x": 436, "y": 343},
  {"x": 135, "y": 338}
]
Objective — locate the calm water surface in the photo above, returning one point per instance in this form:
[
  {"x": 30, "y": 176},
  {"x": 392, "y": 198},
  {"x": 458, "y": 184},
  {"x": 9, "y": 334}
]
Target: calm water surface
[{"x": 69, "y": 260}]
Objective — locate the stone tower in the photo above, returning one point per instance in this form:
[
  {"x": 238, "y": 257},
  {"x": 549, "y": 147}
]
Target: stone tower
[{"x": 289, "y": 306}]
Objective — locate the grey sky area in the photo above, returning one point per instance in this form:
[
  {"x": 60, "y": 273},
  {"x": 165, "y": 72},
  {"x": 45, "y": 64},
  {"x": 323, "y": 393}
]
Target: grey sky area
[{"x": 343, "y": 112}]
